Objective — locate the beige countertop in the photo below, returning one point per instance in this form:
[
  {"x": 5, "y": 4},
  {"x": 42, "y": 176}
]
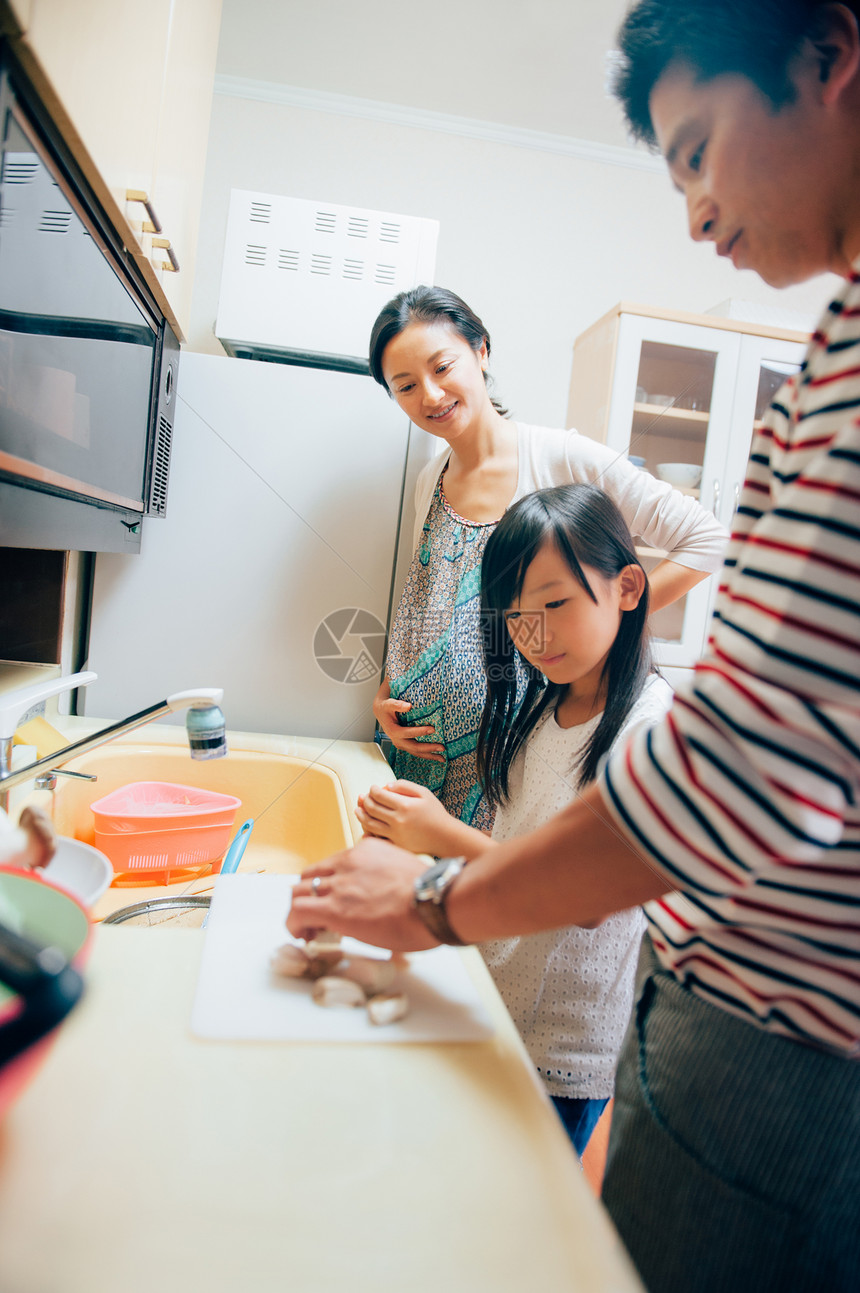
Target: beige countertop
[{"x": 142, "y": 1158}]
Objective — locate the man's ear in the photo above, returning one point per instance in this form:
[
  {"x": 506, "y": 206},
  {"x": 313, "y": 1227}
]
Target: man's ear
[
  {"x": 834, "y": 45},
  {"x": 632, "y": 587}
]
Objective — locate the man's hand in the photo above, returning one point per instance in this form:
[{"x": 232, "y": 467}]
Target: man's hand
[{"x": 366, "y": 893}]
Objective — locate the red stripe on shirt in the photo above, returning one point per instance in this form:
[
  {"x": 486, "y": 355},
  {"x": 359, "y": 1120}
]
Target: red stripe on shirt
[
  {"x": 795, "y": 550},
  {"x": 764, "y": 999},
  {"x": 800, "y": 918},
  {"x": 757, "y": 841},
  {"x": 826, "y": 487},
  {"x": 827, "y": 378},
  {"x": 850, "y": 643},
  {"x": 790, "y": 446},
  {"x": 672, "y": 830},
  {"x": 790, "y": 793},
  {"x": 749, "y": 696}
]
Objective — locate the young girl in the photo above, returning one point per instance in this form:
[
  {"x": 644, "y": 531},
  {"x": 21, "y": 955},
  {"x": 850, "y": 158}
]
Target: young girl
[{"x": 563, "y": 593}]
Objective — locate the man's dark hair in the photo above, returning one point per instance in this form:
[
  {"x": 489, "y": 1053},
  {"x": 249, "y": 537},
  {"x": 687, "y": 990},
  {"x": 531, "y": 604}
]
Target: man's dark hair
[{"x": 754, "y": 38}]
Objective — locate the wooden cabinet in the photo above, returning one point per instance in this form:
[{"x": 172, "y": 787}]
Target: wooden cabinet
[
  {"x": 680, "y": 389},
  {"x": 131, "y": 89}
]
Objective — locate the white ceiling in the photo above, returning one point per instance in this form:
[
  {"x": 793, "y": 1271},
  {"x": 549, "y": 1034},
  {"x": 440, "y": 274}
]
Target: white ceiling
[{"x": 536, "y": 64}]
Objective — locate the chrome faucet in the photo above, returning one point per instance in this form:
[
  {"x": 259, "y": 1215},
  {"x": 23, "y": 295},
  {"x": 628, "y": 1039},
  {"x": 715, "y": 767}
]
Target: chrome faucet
[{"x": 204, "y": 723}]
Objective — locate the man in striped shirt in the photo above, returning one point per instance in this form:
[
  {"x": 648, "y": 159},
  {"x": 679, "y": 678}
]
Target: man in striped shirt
[{"x": 733, "y": 1162}]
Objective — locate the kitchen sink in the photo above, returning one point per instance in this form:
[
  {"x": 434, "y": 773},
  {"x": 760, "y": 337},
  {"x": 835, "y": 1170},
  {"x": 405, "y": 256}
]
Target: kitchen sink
[
  {"x": 298, "y": 807},
  {"x": 299, "y": 792}
]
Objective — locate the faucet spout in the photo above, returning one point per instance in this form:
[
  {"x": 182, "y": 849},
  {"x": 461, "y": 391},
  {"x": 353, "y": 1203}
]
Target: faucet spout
[
  {"x": 204, "y": 722},
  {"x": 210, "y": 734}
]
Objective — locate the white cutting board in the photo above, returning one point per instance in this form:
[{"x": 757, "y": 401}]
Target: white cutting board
[{"x": 238, "y": 997}]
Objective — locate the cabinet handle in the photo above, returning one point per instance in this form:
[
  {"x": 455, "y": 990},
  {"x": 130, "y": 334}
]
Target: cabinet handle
[
  {"x": 164, "y": 245},
  {"x": 138, "y": 195},
  {"x": 716, "y": 498}
]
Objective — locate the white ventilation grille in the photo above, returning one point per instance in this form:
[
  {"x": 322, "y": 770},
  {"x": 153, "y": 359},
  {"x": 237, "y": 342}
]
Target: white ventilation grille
[
  {"x": 20, "y": 169},
  {"x": 304, "y": 277},
  {"x": 55, "y": 221}
]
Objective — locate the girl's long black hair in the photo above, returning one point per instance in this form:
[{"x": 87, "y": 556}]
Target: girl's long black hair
[{"x": 588, "y": 530}]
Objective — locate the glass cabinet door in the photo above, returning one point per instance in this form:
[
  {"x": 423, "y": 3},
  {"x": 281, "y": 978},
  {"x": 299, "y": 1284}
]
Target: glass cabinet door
[
  {"x": 671, "y": 413},
  {"x": 763, "y": 367}
]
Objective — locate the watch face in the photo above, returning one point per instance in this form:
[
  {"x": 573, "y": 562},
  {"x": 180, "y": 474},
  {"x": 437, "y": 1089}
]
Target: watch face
[
  {"x": 432, "y": 884},
  {"x": 430, "y": 891},
  {"x": 426, "y": 886}
]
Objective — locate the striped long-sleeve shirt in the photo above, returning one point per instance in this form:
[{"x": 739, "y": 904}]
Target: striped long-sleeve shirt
[{"x": 748, "y": 796}]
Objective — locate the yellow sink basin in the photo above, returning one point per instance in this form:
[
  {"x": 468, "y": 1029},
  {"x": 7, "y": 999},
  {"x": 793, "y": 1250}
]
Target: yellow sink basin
[
  {"x": 299, "y": 809},
  {"x": 300, "y": 801}
]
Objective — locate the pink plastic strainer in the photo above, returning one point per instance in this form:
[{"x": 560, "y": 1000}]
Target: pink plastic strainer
[{"x": 153, "y": 828}]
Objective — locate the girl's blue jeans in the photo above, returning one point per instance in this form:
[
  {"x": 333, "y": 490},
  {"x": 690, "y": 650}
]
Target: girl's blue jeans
[{"x": 579, "y": 1118}]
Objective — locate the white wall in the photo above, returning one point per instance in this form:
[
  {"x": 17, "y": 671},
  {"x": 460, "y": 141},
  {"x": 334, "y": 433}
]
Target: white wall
[{"x": 539, "y": 244}]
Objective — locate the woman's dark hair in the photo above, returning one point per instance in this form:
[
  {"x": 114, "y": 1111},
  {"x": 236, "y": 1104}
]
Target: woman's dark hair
[
  {"x": 588, "y": 530},
  {"x": 753, "y": 38},
  {"x": 426, "y": 305}
]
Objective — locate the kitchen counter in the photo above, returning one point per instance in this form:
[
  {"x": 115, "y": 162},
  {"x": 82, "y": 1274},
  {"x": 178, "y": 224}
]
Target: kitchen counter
[{"x": 141, "y": 1158}]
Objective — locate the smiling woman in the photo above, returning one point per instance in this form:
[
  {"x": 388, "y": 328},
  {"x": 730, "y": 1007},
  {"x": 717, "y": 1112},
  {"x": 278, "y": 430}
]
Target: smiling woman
[{"x": 431, "y": 352}]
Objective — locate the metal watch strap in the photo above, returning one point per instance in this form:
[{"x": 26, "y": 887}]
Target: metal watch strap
[{"x": 433, "y": 914}]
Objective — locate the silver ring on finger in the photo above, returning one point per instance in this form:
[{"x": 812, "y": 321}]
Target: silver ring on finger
[{"x": 315, "y": 885}]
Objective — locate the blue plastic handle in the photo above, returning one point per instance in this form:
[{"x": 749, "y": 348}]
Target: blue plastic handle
[{"x": 233, "y": 856}]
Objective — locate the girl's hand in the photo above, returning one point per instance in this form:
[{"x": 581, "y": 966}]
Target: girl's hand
[
  {"x": 385, "y": 711},
  {"x": 407, "y": 814}
]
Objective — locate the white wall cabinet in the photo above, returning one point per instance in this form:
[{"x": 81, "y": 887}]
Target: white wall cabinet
[
  {"x": 680, "y": 389},
  {"x": 131, "y": 88}
]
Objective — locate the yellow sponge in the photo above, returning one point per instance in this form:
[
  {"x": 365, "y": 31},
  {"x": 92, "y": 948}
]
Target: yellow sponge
[{"x": 38, "y": 732}]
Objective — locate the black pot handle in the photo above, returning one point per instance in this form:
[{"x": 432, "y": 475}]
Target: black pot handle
[{"x": 46, "y": 983}]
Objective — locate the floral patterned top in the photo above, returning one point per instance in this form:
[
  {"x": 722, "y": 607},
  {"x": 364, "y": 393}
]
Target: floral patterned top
[{"x": 435, "y": 657}]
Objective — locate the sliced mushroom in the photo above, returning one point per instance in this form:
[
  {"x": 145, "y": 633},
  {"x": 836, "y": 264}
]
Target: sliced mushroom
[
  {"x": 372, "y": 974},
  {"x": 387, "y": 1007},
  {"x": 332, "y": 990},
  {"x": 290, "y": 961},
  {"x": 326, "y": 939},
  {"x": 326, "y": 950}
]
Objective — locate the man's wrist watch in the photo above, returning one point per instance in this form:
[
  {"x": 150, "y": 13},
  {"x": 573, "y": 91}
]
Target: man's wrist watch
[{"x": 431, "y": 890}]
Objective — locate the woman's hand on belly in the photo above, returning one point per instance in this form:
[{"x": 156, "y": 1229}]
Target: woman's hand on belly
[{"x": 385, "y": 711}]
